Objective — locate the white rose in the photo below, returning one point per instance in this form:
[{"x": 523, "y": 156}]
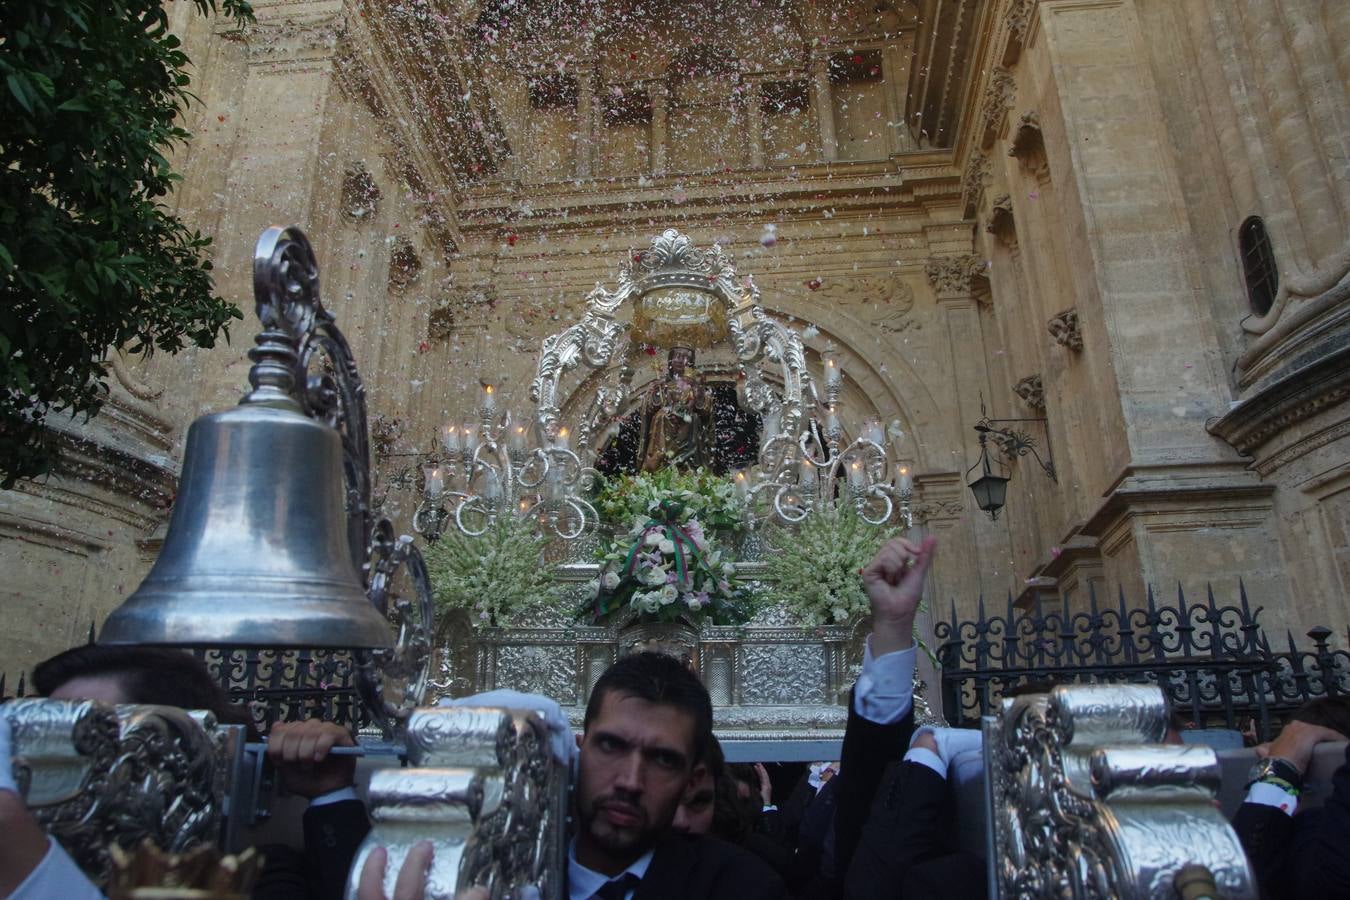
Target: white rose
[
  {"x": 653, "y": 538},
  {"x": 692, "y": 601},
  {"x": 651, "y": 603},
  {"x": 611, "y": 580},
  {"x": 668, "y": 594},
  {"x": 593, "y": 587},
  {"x": 666, "y": 546},
  {"x": 728, "y": 568},
  {"x": 654, "y": 576}
]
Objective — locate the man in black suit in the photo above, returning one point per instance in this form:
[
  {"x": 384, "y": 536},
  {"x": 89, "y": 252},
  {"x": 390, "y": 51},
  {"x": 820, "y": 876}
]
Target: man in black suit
[{"x": 647, "y": 726}]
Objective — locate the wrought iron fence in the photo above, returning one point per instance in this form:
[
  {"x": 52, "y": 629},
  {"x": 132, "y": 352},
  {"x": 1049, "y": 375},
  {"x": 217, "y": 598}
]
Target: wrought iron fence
[
  {"x": 1215, "y": 662},
  {"x": 277, "y": 685}
]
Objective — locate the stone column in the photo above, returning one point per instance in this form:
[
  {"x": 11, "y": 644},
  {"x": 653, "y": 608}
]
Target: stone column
[
  {"x": 585, "y": 121},
  {"x": 822, "y": 96},
  {"x": 754, "y": 121},
  {"x": 659, "y": 92}
]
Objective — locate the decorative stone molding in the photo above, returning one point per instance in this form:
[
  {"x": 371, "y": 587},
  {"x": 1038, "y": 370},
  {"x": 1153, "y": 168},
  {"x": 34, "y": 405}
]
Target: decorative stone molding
[
  {"x": 293, "y": 44},
  {"x": 957, "y": 276},
  {"x": 460, "y": 309},
  {"x": 384, "y": 433},
  {"x": 930, "y": 510},
  {"x": 1001, "y": 224},
  {"x": 360, "y": 194},
  {"x": 1028, "y": 145},
  {"x": 1032, "y": 391},
  {"x": 404, "y": 263},
  {"x": 885, "y": 301},
  {"x": 973, "y": 182},
  {"x": 1017, "y": 21},
  {"x": 998, "y": 99},
  {"x": 1064, "y": 329}
]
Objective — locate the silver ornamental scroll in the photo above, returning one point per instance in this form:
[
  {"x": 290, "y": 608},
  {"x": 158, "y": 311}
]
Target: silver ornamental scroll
[
  {"x": 96, "y": 775},
  {"x": 1084, "y": 800}
]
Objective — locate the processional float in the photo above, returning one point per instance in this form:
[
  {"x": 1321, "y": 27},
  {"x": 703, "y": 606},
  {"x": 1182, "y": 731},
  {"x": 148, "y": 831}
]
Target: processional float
[{"x": 272, "y": 543}]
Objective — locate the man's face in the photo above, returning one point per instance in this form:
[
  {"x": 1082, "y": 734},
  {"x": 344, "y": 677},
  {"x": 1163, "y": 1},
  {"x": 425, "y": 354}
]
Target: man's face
[
  {"x": 695, "y": 815},
  {"x": 636, "y": 765},
  {"x": 107, "y": 688}
]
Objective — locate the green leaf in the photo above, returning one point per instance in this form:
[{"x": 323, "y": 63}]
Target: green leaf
[{"x": 18, "y": 86}]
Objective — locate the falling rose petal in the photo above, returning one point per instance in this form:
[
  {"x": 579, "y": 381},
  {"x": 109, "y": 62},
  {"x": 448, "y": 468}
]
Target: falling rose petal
[
  {"x": 1055, "y": 552},
  {"x": 814, "y": 284}
]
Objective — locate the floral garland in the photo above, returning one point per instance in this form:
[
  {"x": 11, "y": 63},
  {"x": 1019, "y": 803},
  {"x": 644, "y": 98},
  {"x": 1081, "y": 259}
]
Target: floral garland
[
  {"x": 631, "y": 499},
  {"x": 813, "y": 571},
  {"x": 497, "y": 576},
  {"x": 667, "y": 569}
]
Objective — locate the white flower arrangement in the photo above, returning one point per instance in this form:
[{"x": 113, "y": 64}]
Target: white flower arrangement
[{"x": 497, "y": 577}]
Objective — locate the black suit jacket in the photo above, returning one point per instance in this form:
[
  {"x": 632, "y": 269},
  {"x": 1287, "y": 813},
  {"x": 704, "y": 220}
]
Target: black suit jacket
[
  {"x": 1306, "y": 855},
  {"x": 333, "y": 834},
  {"x": 868, "y": 749},
  {"x": 906, "y": 849},
  {"x": 690, "y": 866}
]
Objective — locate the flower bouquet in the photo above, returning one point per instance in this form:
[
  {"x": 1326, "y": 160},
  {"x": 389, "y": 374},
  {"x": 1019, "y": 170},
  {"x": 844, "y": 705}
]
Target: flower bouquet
[
  {"x": 497, "y": 577},
  {"x": 710, "y": 499},
  {"x": 667, "y": 569}
]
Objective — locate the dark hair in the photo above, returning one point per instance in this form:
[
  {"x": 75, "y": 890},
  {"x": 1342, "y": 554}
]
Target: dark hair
[
  {"x": 155, "y": 675},
  {"x": 1329, "y": 712},
  {"x": 657, "y": 678}
]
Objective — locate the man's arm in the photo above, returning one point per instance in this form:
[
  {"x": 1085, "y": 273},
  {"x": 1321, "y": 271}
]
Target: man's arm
[{"x": 881, "y": 709}]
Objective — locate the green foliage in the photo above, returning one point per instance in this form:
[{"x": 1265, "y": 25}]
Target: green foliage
[
  {"x": 498, "y": 577},
  {"x": 710, "y": 498},
  {"x": 813, "y": 569},
  {"x": 91, "y": 258}
]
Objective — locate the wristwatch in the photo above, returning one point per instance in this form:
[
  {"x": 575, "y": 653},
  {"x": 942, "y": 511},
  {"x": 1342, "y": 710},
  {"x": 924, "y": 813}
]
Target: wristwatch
[{"x": 1276, "y": 770}]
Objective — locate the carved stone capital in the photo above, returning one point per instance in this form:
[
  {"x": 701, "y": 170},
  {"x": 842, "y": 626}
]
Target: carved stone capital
[
  {"x": 1064, "y": 329},
  {"x": 957, "y": 276},
  {"x": 974, "y": 180},
  {"x": 1032, "y": 391},
  {"x": 999, "y": 94},
  {"x": 1001, "y": 224}
]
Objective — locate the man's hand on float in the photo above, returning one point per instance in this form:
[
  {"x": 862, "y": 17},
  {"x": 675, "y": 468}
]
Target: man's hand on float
[
  {"x": 894, "y": 584},
  {"x": 412, "y": 878},
  {"x": 1296, "y": 741},
  {"x": 299, "y": 751},
  {"x": 765, "y": 784}
]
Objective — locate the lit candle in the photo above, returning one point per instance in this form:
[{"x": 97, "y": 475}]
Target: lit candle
[
  {"x": 489, "y": 401},
  {"x": 903, "y": 480},
  {"x": 742, "y": 485},
  {"x": 561, "y": 442},
  {"x": 435, "y": 481},
  {"x": 806, "y": 476},
  {"x": 834, "y": 372},
  {"x": 516, "y": 441},
  {"x": 831, "y": 423},
  {"x": 871, "y": 431},
  {"x": 470, "y": 437},
  {"x": 449, "y": 437},
  {"x": 855, "y": 475}
]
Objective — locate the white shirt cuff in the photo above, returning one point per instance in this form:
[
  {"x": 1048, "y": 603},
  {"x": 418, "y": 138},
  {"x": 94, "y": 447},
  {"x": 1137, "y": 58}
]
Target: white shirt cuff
[
  {"x": 347, "y": 793},
  {"x": 1272, "y": 795},
  {"x": 885, "y": 688},
  {"x": 56, "y": 876},
  {"x": 925, "y": 757}
]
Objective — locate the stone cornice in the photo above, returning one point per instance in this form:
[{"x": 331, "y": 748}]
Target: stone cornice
[{"x": 1285, "y": 402}]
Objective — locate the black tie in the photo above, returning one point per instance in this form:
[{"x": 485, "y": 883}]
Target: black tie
[{"x": 618, "y": 888}]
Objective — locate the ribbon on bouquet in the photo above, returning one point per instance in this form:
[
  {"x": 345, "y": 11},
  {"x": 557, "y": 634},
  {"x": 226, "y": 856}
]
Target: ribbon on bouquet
[{"x": 669, "y": 527}]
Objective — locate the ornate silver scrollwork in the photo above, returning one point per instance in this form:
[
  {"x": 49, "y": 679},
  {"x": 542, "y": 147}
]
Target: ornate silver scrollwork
[
  {"x": 486, "y": 790},
  {"x": 1084, "y": 801},
  {"x": 96, "y": 775},
  {"x": 298, "y": 332}
]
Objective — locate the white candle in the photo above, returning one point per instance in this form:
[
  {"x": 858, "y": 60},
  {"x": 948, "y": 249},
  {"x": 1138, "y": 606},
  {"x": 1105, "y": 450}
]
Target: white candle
[
  {"x": 449, "y": 437},
  {"x": 492, "y": 487},
  {"x": 903, "y": 480},
  {"x": 470, "y": 437},
  {"x": 489, "y": 401},
  {"x": 742, "y": 485},
  {"x": 516, "y": 442},
  {"x": 806, "y": 476},
  {"x": 435, "y": 481},
  {"x": 563, "y": 438},
  {"x": 834, "y": 372},
  {"x": 856, "y": 477},
  {"x": 831, "y": 423}
]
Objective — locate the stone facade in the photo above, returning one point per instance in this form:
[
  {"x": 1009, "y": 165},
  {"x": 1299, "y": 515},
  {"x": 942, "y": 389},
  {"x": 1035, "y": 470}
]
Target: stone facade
[{"x": 946, "y": 182}]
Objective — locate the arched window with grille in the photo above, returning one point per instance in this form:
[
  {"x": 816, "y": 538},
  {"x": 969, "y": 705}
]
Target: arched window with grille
[{"x": 1258, "y": 265}]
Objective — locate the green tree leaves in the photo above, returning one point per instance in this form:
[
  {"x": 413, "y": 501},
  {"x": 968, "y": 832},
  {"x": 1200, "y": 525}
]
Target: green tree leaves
[{"x": 90, "y": 258}]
